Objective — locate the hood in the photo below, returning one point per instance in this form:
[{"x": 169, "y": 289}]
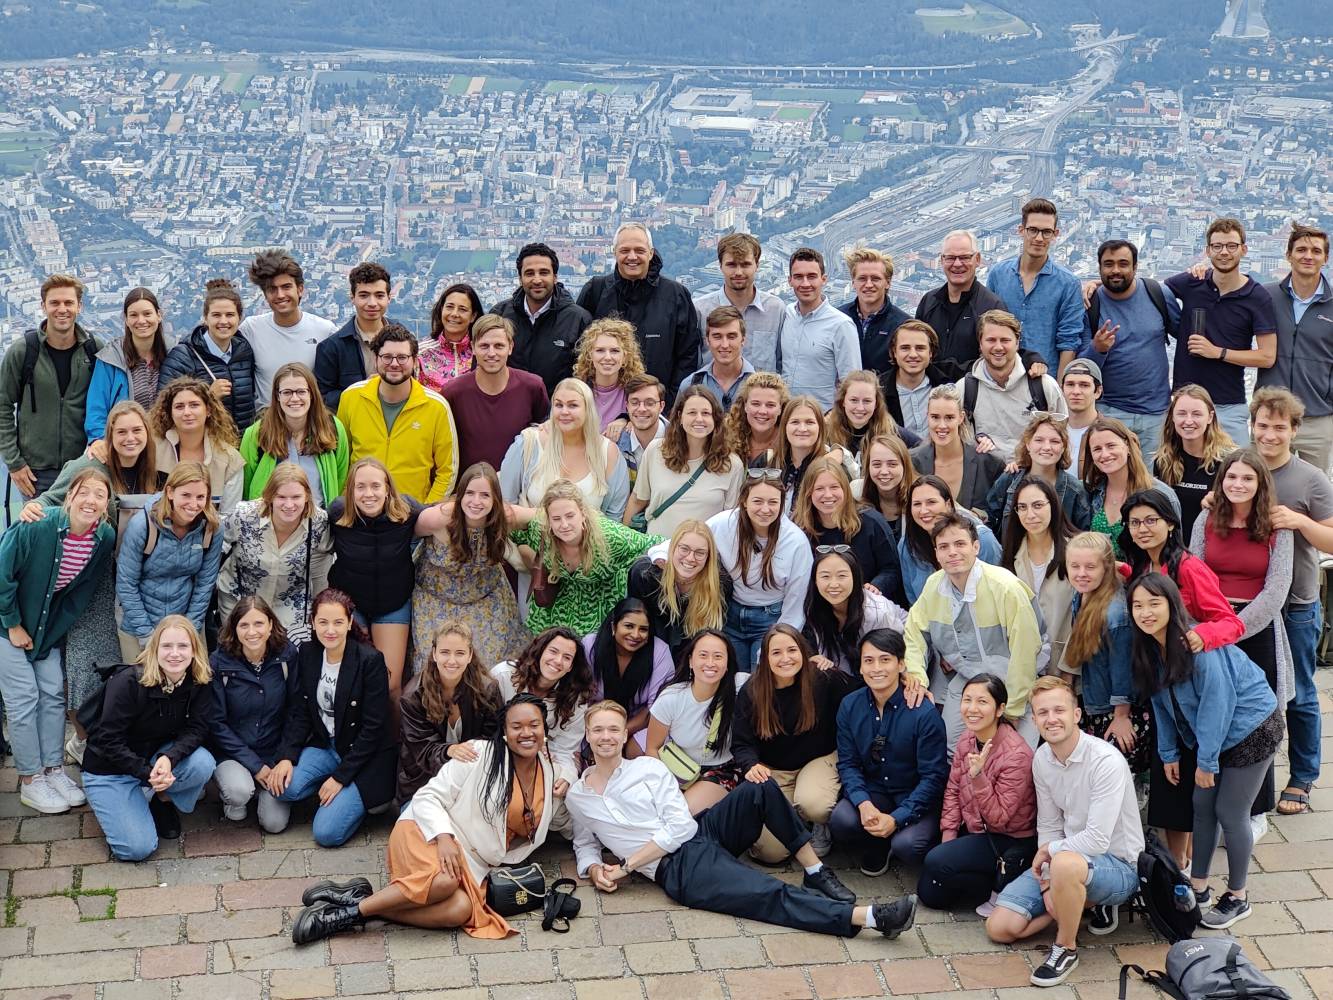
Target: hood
[{"x": 113, "y": 354}]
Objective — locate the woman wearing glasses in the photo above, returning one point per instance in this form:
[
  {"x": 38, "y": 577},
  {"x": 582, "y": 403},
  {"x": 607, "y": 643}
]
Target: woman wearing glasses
[
  {"x": 949, "y": 452},
  {"x": 298, "y": 429},
  {"x": 840, "y": 610},
  {"x": 1042, "y": 451},
  {"x": 688, "y": 592}
]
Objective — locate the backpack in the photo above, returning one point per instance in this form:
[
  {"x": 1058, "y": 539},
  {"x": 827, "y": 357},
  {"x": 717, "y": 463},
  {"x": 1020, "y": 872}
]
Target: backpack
[
  {"x": 1155, "y": 295},
  {"x": 1212, "y": 968},
  {"x": 32, "y": 347},
  {"x": 972, "y": 386},
  {"x": 150, "y": 540},
  {"x": 1159, "y": 875},
  {"x": 89, "y": 714}
]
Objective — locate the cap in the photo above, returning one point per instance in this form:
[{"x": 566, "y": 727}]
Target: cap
[{"x": 1084, "y": 367}]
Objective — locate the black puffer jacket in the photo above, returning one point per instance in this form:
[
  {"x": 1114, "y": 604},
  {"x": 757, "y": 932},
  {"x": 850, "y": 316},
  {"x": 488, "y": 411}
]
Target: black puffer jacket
[
  {"x": 194, "y": 358},
  {"x": 137, "y": 721},
  {"x": 548, "y": 347},
  {"x": 663, "y": 316},
  {"x": 373, "y": 563}
]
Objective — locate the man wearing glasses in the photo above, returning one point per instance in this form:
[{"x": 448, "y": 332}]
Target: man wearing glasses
[
  {"x": 392, "y": 417},
  {"x": 1230, "y": 325},
  {"x": 953, "y": 308},
  {"x": 1046, "y": 298}
]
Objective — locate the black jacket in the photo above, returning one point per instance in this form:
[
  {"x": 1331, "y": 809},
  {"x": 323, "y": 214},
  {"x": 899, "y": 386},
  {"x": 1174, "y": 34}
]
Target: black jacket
[
  {"x": 137, "y": 721},
  {"x": 373, "y": 563},
  {"x": 194, "y": 358},
  {"x": 958, "y": 339},
  {"x": 362, "y": 733},
  {"x": 548, "y": 348},
  {"x": 338, "y": 364},
  {"x": 645, "y": 583},
  {"x": 424, "y": 745},
  {"x": 789, "y": 750},
  {"x": 876, "y": 333},
  {"x": 888, "y": 382},
  {"x": 663, "y": 316},
  {"x": 979, "y": 474},
  {"x": 251, "y": 705},
  {"x": 875, "y": 551}
]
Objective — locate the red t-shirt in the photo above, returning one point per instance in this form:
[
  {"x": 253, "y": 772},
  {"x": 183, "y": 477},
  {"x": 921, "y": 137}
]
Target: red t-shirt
[
  {"x": 1240, "y": 564},
  {"x": 487, "y": 425}
]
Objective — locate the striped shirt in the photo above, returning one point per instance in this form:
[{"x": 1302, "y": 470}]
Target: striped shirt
[
  {"x": 74, "y": 555},
  {"x": 143, "y": 383}
]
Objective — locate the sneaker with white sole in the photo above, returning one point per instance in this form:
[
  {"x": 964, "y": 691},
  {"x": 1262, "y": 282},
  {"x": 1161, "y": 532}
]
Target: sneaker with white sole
[
  {"x": 1057, "y": 967},
  {"x": 74, "y": 748},
  {"x": 66, "y": 786},
  {"x": 1104, "y": 919},
  {"x": 1259, "y": 826},
  {"x": 1226, "y": 911},
  {"x": 37, "y": 794},
  {"x": 821, "y": 839}
]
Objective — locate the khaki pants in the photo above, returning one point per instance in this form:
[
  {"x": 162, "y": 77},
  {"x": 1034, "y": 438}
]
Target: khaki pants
[
  {"x": 813, "y": 790},
  {"x": 130, "y": 646},
  {"x": 1314, "y": 441}
]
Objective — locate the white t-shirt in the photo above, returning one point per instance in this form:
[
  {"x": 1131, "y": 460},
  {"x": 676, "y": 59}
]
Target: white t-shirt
[
  {"x": 687, "y": 722},
  {"x": 275, "y": 346},
  {"x": 711, "y": 493},
  {"x": 1076, "y": 448},
  {"x": 326, "y": 692}
]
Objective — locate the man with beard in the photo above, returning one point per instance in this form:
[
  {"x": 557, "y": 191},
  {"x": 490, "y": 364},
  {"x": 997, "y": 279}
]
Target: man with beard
[
  {"x": 1238, "y": 329},
  {"x": 664, "y": 319},
  {"x": 762, "y": 312},
  {"x": 547, "y": 324}
]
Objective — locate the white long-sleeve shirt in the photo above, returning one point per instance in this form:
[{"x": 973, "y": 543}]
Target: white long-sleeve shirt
[
  {"x": 1087, "y": 804},
  {"x": 642, "y": 802}
]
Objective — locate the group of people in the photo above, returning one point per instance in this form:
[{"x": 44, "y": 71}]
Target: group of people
[{"x": 682, "y": 580}]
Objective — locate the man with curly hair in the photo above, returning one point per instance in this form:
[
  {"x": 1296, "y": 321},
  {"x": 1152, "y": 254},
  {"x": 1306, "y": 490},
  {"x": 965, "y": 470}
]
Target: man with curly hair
[{"x": 286, "y": 333}]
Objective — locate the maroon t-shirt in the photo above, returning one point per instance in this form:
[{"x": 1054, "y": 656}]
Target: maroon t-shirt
[{"x": 487, "y": 425}]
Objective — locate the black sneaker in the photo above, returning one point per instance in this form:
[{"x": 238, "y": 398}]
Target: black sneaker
[
  {"x": 1227, "y": 911},
  {"x": 827, "y": 883},
  {"x": 891, "y": 919},
  {"x": 1203, "y": 898},
  {"x": 1104, "y": 919},
  {"x": 1057, "y": 967},
  {"x": 165, "y": 818},
  {"x": 340, "y": 893},
  {"x": 876, "y": 859},
  {"x": 322, "y": 920}
]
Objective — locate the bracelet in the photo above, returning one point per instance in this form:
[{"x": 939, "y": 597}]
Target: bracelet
[{"x": 1223, "y": 355}]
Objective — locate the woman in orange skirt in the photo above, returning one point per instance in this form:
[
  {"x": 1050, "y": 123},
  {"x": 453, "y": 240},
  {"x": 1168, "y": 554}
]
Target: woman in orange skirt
[{"x": 468, "y": 819}]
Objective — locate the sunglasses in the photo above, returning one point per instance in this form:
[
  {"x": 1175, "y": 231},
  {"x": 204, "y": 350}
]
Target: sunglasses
[
  {"x": 841, "y": 550},
  {"x": 768, "y": 475}
]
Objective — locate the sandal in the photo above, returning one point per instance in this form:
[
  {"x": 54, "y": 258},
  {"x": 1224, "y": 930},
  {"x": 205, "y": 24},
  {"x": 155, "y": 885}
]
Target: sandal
[{"x": 1301, "y": 798}]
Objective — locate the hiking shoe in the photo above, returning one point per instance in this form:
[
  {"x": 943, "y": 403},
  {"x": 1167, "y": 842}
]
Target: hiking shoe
[
  {"x": 66, "y": 786},
  {"x": 1227, "y": 911},
  {"x": 1104, "y": 919},
  {"x": 876, "y": 859},
  {"x": 40, "y": 795},
  {"x": 826, "y": 883},
  {"x": 1057, "y": 967},
  {"x": 347, "y": 893},
  {"x": 821, "y": 839},
  {"x": 322, "y": 920},
  {"x": 166, "y": 819},
  {"x": 74, "y": 748},
  {"x": 891, "y": 919}
]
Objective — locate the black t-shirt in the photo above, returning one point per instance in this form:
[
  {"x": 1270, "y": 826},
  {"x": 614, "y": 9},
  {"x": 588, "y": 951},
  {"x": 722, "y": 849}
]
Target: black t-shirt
[
  {"x": 62, "y": 359},
  {"x": 1194, "y": 484}
]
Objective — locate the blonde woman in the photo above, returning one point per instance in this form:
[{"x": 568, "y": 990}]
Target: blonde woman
[
  {"x": 569, "y": 446},
  {"x": 949, "y": 451},
  {"x": 752, "y": 421},
  {"x": 280, "y": 550},
  {"x": 585, "y": 556},
  {"x": 1192, "y": 447},
  {"x": 169, "y": 556},
  {"x": 887, "y": 475},
  {"x": 608, "y": 357},
  {"x": 150, "y": 734},
  {"x": 689, "y": 592},
  {"x": 297, "y": 427},
  {"x": 192, "y": 426}
]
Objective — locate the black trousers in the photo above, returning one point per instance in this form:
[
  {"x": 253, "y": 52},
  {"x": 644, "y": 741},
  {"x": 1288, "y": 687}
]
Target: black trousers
[
  {"x": 704, "y": 873},
  {"x": 962, "y": 872},
  {"x": 1262, "y": 649}
]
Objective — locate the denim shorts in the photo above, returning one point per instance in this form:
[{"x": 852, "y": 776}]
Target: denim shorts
[
  {"x": 399, "y": 616},
  {"x": 1111, "y": 882}
]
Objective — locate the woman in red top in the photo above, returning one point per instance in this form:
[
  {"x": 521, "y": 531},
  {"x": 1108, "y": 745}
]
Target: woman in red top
[
  {"x": 1253, "y": 563},
  {"x": 990, "y": 807}
]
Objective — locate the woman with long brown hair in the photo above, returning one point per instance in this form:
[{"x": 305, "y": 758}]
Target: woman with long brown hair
[
  {"x": 1042, "y": 451},
  {"x": 297, "y": 427},
  {"x": 1112, "y": 470},
  {"x": 929, "y": 499},
  {"x": 886, "y": 476},
  {"x": 860, "y": 413},
  {"x": 752, "y": 421},
  {"x": 191, "y": 425},
  {"x": 127, "y": 368},
  {"x": 801, "y": 440},
  {"x": 1193, "y": 443}
]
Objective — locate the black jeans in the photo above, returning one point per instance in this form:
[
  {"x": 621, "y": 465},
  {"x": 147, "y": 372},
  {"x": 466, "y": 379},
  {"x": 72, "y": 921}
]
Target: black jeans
[
  {"x": 961, "y": 872},
  {"x": 704, "y": 873}
]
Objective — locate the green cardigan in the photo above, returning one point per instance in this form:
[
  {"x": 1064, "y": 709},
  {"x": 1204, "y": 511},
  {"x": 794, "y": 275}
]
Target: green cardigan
[
  {"x": 332, "y": 465},
  {"x": 29, "y": 564}
]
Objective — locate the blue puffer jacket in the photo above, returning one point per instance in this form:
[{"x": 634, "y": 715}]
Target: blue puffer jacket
[
  {"x": 251, "y": 705},
  {"x": 196, "y": 359},
  {"x": 1108, "y": 678},
  {"x": 176, "y": 578},
  {"x": 915, "y": 572},
  {"x": 1223, "y": 700},
  {"x": 110, "y": 384}
]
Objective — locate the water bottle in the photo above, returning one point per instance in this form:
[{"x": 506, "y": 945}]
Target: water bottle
[{"x": 1183, "y": 897}]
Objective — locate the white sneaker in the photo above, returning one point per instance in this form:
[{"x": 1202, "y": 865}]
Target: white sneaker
[
  {"x": 988, "y": 907},
  {"x": 74, "y": 748},
  {"x": 821, "y": 839},
  {"x": 39, "y": 795},
  {"x": 1259, "y": 826},
  {"x": 66, "y": 786}
]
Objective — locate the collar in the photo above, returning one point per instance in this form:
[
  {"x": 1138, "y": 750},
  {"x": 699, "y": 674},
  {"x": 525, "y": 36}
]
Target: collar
[
  {"x": 532, "y": 316},
  {"x": 969, "y": 594},
  {"x": 1079, "y": 753},
  {"x": 1320, "y": 293},
  {"x": 1245, "y": 289},
  {"x": 888, "y": 303},
  {"x": 823, "y": 303},
  {"x": 1016, "y": 376}
]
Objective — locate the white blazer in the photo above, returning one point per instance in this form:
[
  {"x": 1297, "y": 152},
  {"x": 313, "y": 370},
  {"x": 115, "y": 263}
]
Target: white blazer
[{"x": 451, "y": 802}]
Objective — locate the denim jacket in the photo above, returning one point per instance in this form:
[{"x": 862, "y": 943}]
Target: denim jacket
[{"x": 1108, "y": 678}]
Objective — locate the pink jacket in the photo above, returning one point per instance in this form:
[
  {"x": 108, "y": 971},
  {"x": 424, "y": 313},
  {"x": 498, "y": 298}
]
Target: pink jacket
[{"x": 1001, "y": 798}]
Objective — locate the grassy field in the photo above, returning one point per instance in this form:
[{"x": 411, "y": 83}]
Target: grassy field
[
  {"x": 504, "y": 85},
  {"x": 984, "y": 19},
  {"x": 458, "y": 84},
  {"x": 795, "y": 114},
  {"x": 853, "y": 133},
  {"x": 20, "y": 152},
  {"x": 463, "y": 262}
]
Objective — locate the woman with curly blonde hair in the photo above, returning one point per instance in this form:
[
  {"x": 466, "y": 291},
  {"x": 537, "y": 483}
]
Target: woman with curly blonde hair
[
  {"x": 192, "y": 425},
  {"x": 608, "y": 357}
]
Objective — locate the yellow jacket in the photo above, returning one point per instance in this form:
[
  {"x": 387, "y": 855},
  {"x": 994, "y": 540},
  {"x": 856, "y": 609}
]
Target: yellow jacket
[{"x": 422, "y": 451}]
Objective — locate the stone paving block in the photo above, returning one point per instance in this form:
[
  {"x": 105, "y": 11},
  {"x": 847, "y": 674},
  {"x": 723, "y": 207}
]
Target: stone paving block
[
  {"x": 1296, "y": 829},
  {"x": 227, "y": 840},
  {"x": 169, "y": 961},
  {"x": 467, "y": 945},
  {"x": 644, "y": 927},
  {"x": 701, "y": 923},
  {"x": 40, "y": 910},
  {"x": 172, "y": 899},
  {"x": 83, "y": 991},
  {"x": 1294, "y": 857},
  {"x": 229, "y": 986},
  {"x": 273, "y": 864},
  {"x": 694, "y": 985},
  {"x": 344, "y": 862},
  {"x": 287, "y": 984},
  {"x": 584, "y": 932},
  {"x": 297, "y": 836},
  {"x": 58, "y": 970},
  {"x": 91, "y": 828},
  {"x": 345, "y": 949},
  {"x": 1320, "y": 981},
  {"x": 869, "y": 946},
  {"x": 958, "y": 938},
  {"x": 13, "y": 941},
  {"x": 358, "y": 978},
  {"x": 916, "y": 975},
  {"x": 1298, "y": 951},
  {"x": 273, "y": 952},
  {"x": 1149, "y": 956},
  {"x": 804, "y": 949},
  {"x": 257, "y": 894},
  {"x": 99, "y": 935},
  {"x": 989, "y": 971},
  {"x": 209, "y": 871},
  {"x": 432, "y": 973},
  {"x": 44, "y": 829},
  {"x": 855, "y": 979},
  {"x": 521, "y": 967},
  {"x": 529, "y": 991},
  {"x": 771, "y": 984},
  {"x": 730, "y": 952},
  {"x": 637, "y": 897},
  {"x": 411, "y": 942},
  {"x": 609, "y": 989},
  {"x": 659, "y": 956},
  {"x": 964, "y": 995},
  {"x": 230, "y": 924},
  {"x": 41, "y": 881},
  {"x": 1312, "y": 914},
  {"x": 471, "y": 993},
  {"x": 1095, "y": 962},
  {"x": 1279, "y": 887},
  {"x": 1063, "y": 992},
  {"x": 116, "y": 875},
  {"x": 158, "y": 990},
  {"x": 84, "y": 851},
  {"x": 590, "y": 963},
  {"x": 1109, "y": 989}
]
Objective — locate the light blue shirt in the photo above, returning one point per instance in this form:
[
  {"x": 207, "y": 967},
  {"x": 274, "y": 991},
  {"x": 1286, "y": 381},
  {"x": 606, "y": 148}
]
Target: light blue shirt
[
  {"x": 913, "y": 403},
  {"x": 764, "y": 318},
  {"x": 1299, "y": 305},
  {"x": 704, "y": 377},
  {"x": 1051, "y": 313},
  {"x": 819, "y": 350},
  {"x": 217, "y": 351}
]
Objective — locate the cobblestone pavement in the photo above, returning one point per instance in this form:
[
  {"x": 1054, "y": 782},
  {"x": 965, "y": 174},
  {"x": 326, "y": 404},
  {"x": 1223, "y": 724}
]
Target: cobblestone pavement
[{"x": 209, "y": 917}]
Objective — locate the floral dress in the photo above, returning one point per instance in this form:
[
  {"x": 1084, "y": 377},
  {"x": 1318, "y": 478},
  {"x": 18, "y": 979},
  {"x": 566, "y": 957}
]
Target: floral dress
[
  {"x": 476, "y": 593},
  {"x": 442, "y": 361}
]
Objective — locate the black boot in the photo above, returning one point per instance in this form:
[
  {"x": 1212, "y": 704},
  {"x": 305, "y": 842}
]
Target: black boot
[
  {"x": 338, "y": 893},
  {"x": 166, "y": 818},
  {"x": 322, "y": 920}
]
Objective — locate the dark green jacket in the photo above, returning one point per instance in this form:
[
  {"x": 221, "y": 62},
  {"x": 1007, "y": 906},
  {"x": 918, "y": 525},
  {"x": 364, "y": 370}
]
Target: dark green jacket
[
  {"x": 47, "y": 431},
  {"x": 29, "y": 564}
]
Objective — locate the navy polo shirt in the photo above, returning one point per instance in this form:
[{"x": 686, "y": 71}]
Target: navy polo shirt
[{"x": 1234, "y": 320}]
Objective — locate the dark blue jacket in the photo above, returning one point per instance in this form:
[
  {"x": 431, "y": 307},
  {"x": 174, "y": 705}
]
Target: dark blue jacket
[
  {"x": 876, "y": 333},
  {"x": 196, "y": 359},
  {"x": 251, "y": 705},
  {"x": 876, "y": 552},
  {"x": 338, "y": 364},
  {"x": 914, "y": 765}
]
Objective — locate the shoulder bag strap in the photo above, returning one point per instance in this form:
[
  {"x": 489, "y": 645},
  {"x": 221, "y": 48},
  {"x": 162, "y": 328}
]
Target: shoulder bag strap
[{"x": 685, "y": 487}]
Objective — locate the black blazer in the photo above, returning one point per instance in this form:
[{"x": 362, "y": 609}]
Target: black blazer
[
  {"x": 979, "y": 474},
  {"x": 363, "y": 737}
]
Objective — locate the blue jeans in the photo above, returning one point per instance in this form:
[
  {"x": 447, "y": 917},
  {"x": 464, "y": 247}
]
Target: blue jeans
[
  {"x": 1235, "y": 420},
  {"x": 399, "y": 616},
  {"x": 34, "y": 698},
  {"x": 1148, "y": 426},
  {"x": 1111, "y": 882},
  {"x": 746, "y": 627},
  {"x": 336, "y": 822},
  {"x": 1303, "y": 623},
  {"x": 121, "y": 807}
]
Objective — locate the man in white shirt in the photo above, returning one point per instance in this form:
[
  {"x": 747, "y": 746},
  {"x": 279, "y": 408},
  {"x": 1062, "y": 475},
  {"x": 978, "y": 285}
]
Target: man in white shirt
[
  {"x": 286, "y": 335},
  {"x": 1081, "y": 385},
  {"x": 1089, "y": 837},
  {"x": 635, "y": 809}
]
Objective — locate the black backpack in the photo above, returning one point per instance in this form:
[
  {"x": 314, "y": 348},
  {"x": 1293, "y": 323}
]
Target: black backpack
[
  {"x": 1155, "y": 294},
  {"x": 32, "y": 347},
  {"x": 1159, "y": 876},
  {"x": 1212, "y": 968},
  {"x": 89, "y": 714},
  {"x": 972, "y": 386}
]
